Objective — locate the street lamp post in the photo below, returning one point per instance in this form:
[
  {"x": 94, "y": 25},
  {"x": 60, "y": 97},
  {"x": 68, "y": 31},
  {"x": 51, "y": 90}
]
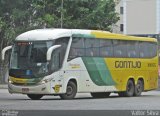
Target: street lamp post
[{"x": 62, "y": 14}]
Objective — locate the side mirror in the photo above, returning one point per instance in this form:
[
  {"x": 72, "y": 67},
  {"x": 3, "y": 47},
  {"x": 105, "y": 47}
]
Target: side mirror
[
  {"x": 4, "y": 51},
  {"x": 50, "y": 50}
]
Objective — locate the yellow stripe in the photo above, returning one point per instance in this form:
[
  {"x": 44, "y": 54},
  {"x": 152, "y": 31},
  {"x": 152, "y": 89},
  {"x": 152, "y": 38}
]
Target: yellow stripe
[
  {"x": 18, "y": 80},
  {"x": 107, "y": 35}
]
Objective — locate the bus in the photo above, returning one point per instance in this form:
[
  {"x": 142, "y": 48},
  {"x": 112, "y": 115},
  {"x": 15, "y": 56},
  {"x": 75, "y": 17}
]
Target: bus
[{"x": 64, "y": 62}]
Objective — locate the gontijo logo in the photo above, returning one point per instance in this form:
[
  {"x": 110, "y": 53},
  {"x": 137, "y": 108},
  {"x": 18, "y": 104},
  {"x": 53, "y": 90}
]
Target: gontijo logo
[{"x": 127, "y": 64}]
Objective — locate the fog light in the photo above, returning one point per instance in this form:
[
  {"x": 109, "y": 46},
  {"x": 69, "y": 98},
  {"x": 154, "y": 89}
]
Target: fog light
[{"x": 43, "y": 89}]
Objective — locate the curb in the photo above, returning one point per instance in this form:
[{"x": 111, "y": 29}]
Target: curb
[{"x": 3, "y": 86}]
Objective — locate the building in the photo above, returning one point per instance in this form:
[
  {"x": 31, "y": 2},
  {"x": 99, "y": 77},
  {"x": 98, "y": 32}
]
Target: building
[{"x": 138, "y": 17}]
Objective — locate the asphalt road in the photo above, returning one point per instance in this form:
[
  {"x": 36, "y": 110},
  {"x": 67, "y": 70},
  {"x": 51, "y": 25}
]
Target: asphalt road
[{"x": 148, "y": 101}]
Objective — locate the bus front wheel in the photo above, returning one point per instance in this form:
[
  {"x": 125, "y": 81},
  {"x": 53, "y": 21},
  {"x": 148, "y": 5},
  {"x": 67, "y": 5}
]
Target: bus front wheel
[
  {"x": 35, "y": 96},
  {"x": 70, "y": 92}
]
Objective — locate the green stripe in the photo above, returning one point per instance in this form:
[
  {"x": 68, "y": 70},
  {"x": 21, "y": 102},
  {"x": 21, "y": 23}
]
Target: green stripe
[
  {"x": 98, "y": 71},
  {"x": 93, "y": 71}
]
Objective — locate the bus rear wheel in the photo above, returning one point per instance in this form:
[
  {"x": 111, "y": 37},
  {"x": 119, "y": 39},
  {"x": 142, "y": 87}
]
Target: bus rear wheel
[
  {"x": 129, "y": 90},
  {"x": 100, "y": 94},
  {"x": 35, "y": 96},
  {"x": 70, "y": 92},
  {"x": 138, "y": 88}
]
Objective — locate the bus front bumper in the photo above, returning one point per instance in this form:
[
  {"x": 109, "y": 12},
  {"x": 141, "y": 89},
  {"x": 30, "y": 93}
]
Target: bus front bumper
[{"x": 34, "y": 89}]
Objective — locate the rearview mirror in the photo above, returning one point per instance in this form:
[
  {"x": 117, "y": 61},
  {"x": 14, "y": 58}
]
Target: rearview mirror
[
  {"x": 50, "y": 50},
  {"x": 4, "y": 51}
]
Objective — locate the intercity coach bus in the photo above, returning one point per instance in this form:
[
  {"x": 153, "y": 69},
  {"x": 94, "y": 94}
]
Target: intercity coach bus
[{"x": 68, "y": 61}]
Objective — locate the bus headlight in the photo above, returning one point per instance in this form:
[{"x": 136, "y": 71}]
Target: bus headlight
[
  {"x": 46, "y": 81},
  {"x": 10, "y": 81}
]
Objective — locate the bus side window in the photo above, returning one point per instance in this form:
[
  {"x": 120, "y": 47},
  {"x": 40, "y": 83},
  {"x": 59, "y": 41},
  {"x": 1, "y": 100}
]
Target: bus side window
[
  {"x": 88, "y": 51},
  {"x": 141, "y": 54},
  {"x": 152, "y": 49},
  {"x": 132, "y": 54},
  {"x": 120, "y": 48},
  {"x": 104, "y": 53},
  {"x": 77, "y": 48},
  {"x": 118, "y": 53},
  {"x": 106, "y": 48},
  {"x": 91, "y": 47},
  {"x": 132, "y": 49},
  {"x": 148, "y": 49},
  {"x": 64, "y": 43},
  {"x": 143, "y": 48},
  {"x": 73, "y": 53}
]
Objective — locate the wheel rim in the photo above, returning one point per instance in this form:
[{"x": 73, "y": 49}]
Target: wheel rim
[
  {"x": 129, "y": 87},
  {"x": 69, "y": 90},
  {"x": 139, "y": 88}
]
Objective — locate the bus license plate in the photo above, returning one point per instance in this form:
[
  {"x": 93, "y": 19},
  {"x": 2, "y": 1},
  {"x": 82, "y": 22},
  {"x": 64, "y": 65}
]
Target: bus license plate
[{"x": 25, "y": 90}]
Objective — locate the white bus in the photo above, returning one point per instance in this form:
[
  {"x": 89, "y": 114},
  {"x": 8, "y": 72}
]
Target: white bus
[{"x": 66, "y": 61}]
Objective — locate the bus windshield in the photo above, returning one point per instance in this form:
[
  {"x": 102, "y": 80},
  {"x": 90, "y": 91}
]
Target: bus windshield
[{"x": 29, "y": 58}]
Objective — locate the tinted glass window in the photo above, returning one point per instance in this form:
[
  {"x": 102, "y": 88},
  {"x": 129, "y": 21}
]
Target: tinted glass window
[
  {"x": 106, "y": 48},
  {"x": 38, "y": 52},
  {"x": 92, "y": 47},
  {"x": 143, "y": 49},
  {"x": 152, "y": 49},
  {"x": 147, "y": 49},
  {"x": 85, "y": 47},
  {"x": 120, "y": 48},
  {"x": 132, "y": 49},
  {"x": 23, "y": 51},
  {"x": 62, "y": 50},
  {"x": 58, "y": 54},
  {"x": 77, "y": 48}
]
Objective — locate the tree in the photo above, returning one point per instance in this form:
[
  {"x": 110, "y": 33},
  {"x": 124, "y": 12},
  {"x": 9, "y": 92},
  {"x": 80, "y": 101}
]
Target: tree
[
  {"x": 84, "y": 14},
  {"x": 22, "y": 15},
  {"x": 13, "y": 15}
]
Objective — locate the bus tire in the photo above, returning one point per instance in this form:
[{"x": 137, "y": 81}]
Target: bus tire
[
  {"x": 70, "y": 92},
  {"x": 138, "y": 88},
  {"x": 35, "y": 96},
  {"x": 129, "y": 89},
  {"x": 100, "y": 94}
]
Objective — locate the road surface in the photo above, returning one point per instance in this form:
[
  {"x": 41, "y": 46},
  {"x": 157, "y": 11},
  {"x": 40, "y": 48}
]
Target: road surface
[{"x": 83, "y": 101}]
